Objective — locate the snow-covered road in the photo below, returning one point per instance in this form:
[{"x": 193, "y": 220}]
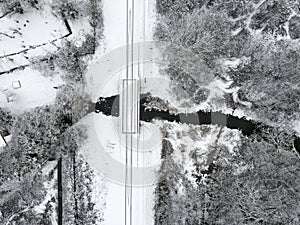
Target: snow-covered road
[{"x": 105, "y": 148}]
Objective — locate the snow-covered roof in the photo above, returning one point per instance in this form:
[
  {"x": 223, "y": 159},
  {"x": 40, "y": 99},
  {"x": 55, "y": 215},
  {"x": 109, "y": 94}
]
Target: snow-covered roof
[{"x": 16, "y": 84}]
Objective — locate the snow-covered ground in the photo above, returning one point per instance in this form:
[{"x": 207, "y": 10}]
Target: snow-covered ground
[
  {"x": 115, "y": 30},
  {"x": 200, "y": 141},
  {"x": 108, "y": 157},
  {"x": 36, "y": 90},
  {"x": 105, "y": 152},
  {"x": 20, "y": 42},
  {"x": 297, "y": 127},
  {"x": 21, "y": 31},
  {"x": 159, "y": 85},
  {"x": 24, "y": 38}
]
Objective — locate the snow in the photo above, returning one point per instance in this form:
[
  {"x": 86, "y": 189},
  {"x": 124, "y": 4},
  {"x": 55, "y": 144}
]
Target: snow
[
  {"x": 23, "y": 29},
  {"x": 142, "y": 205},
  {"x": 19, "y": 45},
  {"x": 8, "y": 138},
  {"x": 231, "y": 139},
  {"x": 105, "y": 153},
  {"x": 297, "y": 127},
  {"x": 36, "y": 90},
  {"x": 79, "y": 29},
  {"x": 104, "y": 148},
  {"x": 105, "y": 70},
  {"x": 157, "y": 83},
  {"x": 180, "y": 138},
  {"x": 2, "y": 142},
  {"x": 99, "y": 193},
  {"x": 114, "y": 13},
  {"x": 200, "y": 141},
  {"x": 19, "y": 36},
  {"x": 50, "y": 165},
  {"x": 232, "y": 63},
  {"x": 237, "y": 100},
  {"x": 161, "y": 86},
  {"x": 239, "y": 113},
  {"x": 51, "y": 192}
]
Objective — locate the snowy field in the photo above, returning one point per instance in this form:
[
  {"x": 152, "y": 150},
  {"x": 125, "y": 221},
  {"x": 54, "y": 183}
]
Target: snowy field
[
  {"x": 35, "y": 90},
  {"x": 24, "y": 38},
  {"x": 19, "y": 44}
]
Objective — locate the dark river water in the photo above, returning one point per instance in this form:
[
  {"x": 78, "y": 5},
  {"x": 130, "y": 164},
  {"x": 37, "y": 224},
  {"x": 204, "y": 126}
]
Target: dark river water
[{"x": 110, "y": 106}]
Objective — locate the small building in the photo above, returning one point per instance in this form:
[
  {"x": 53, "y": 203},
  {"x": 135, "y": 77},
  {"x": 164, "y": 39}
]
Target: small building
[
  {"x": 16, "y": 84},
  {"x": 2, "y": 142}
]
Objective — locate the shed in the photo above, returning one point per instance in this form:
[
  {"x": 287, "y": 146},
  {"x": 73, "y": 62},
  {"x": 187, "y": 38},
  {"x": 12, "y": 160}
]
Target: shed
[{"x": 16, "y": 84}]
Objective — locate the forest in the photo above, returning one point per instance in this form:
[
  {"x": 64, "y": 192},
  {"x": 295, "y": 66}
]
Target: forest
[
  {"x": 46, "y": 134},
  {"x": 258, "y": 181}
]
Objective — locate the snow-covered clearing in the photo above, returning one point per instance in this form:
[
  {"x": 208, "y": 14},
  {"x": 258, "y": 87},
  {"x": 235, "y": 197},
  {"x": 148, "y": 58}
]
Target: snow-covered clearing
[
  {"x": 24, "y": 38},
  {"x": 28, "y": 35},
  {"x": 22, "y": 31},
  {"x": 36, "y": 90}
]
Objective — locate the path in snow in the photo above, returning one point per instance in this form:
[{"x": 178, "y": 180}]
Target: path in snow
[{"x": 105, "y": 150}]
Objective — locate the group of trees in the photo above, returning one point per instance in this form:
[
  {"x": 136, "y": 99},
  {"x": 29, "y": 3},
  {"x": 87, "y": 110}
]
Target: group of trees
[
  {"x": 203, "y": 33},
  {"x": 269, "y": 80},
  {"x": 47, "y": 132},
  {"x": 257, "y": 184},
  {"x": 260, "y": 183},
  {"x": 78, "y": 204}
]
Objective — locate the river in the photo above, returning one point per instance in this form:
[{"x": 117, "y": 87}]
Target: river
[{"x": 110, "y": 106}]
